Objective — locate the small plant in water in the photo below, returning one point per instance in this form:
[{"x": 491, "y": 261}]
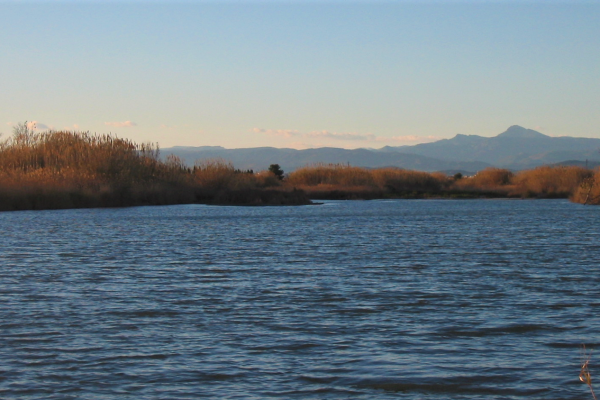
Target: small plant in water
[{"x": 584, "y": 375}]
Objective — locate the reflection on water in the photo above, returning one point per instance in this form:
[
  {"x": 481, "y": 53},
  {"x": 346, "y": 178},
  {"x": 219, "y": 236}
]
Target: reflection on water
[{"x": 379, "y": 299}]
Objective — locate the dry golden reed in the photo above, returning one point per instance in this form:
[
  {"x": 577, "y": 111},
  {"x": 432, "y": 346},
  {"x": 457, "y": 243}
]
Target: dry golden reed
[
  {"x": 336, "y": 180},
  {"x": 588, "y": 191},
  {"x": 561, "y": 181},
  {"x": 63, "y": 169},
  {"x": 584, "y": 374}
]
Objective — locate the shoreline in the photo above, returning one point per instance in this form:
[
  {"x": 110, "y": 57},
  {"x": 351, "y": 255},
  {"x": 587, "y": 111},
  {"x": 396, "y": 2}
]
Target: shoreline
[{"x": 311, "y": 202}]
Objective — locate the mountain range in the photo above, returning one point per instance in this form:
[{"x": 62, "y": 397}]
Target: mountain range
[{"x": 517, "y": 148}]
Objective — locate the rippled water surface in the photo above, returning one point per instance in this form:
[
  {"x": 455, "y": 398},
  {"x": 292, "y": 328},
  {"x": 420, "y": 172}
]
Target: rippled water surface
[{"x": 363, "y": 300}]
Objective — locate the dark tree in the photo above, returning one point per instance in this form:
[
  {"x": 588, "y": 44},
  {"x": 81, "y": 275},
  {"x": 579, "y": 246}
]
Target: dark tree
[{"x": 276, "y": 169}]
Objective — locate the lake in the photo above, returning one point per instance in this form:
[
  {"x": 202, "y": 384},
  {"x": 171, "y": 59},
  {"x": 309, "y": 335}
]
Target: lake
[{"x": 398, "y": 299}]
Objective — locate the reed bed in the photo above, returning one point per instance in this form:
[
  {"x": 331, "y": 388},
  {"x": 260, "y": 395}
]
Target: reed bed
[
  {"x": 335, "y": 181},
  {"x": 588, "y": 192},
  {"x": 549, "y": 182},
  {"x": 64, "y": 169},
  {"x": 219, "y": 174},
  {"x": 494, "y": 181}
]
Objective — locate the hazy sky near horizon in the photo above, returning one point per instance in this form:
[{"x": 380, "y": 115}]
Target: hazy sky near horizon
[{"x": 301, "y": 73}]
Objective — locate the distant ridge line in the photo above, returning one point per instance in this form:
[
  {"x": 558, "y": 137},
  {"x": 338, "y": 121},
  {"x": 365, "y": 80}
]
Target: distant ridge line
[{"x": 516, "y": 148}]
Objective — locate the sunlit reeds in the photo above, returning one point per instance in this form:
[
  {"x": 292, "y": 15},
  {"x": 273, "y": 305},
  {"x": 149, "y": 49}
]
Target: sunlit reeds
[
  {"x": 487, "y": 181},
  {"x": 63, "y": 169},
  {"x": 331, "y": 174},
  {"x": 336, "y": 180},
  {"x": 550, "y": 181},
  {"x": 588, "y": 191},
  {"x": 219, "y": 174},
  {"x": 541, "y": 182},
  {"x": 585, "y": 375}
]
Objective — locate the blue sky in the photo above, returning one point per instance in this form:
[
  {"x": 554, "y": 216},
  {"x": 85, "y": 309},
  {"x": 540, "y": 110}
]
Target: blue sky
[{"x": 301, "y": 74}]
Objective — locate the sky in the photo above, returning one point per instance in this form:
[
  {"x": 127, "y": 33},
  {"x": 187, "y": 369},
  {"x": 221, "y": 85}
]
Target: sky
[{"x": 300, "y": 74}]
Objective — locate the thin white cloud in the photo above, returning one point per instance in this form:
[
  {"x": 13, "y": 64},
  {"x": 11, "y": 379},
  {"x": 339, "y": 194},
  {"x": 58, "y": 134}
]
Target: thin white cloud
[
  {"x": 286, "y": 133},
  {"x": 121, "y": 124},
  {"x": 343, "y": 136},
  {"x": 171, "y": 127},
  {"x": 289, "y": 133},
  {"x": 408, "y": 138},
  {"x": 340, "y": 135},
  {"x": 37, "y": 126}
]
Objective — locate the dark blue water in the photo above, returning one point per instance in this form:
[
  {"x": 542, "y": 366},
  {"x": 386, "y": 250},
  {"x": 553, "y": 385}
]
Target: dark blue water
[{"x": 363, "y": 300}]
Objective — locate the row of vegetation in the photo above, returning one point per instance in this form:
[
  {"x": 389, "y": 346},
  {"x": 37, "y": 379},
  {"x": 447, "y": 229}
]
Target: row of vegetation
[
  {"x": 62, "y": 169},
  {"x": 344, "y": 182},
  {"x": 542, "y": 182}
]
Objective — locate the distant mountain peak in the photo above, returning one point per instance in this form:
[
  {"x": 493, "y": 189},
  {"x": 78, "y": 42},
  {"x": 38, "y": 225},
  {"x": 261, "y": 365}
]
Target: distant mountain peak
[
  {"x": 516, "y": 148},
  {"x": 517, "y": 131}
]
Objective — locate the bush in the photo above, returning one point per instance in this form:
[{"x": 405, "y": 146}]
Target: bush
[
  {"x": 276, "y": 170},
  {"x": 588, "y": 191}
]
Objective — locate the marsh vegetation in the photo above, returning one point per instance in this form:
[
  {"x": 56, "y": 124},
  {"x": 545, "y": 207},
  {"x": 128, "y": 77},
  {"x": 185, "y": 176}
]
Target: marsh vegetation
[
  {"x": 339, "y": 181},
  {"x": 64, "y": 169}
]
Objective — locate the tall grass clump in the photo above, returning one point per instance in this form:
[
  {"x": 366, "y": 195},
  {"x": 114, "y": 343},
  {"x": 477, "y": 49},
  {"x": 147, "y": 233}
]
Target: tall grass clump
[
  {"x": 337, "y": 181},
  {"x": 490, "y": 181},
  {"x": 331, "y": 174},
  {"x": 402, "y": 181},
  {"x": 64, "y": 169},
  {"x": 549, "y": 182},
  {"x": 588, "y": 191},
  {"x": 540, "y": 182},
  {"x": 215, "y": 174},
  {"x": 219, "y": 182},
  {"x": 218, "y": 174}
]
